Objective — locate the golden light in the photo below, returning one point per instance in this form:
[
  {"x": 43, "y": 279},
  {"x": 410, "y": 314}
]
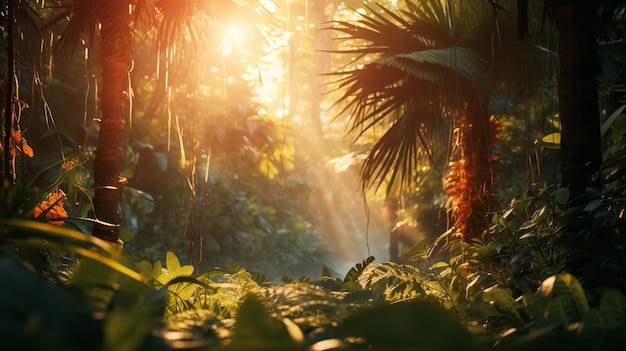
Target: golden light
[{"x": 269, "y": 72}]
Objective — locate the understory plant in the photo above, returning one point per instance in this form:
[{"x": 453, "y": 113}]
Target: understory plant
[
  {"x": 512, "y": 290},
  {"x": 110, "y": 306}
]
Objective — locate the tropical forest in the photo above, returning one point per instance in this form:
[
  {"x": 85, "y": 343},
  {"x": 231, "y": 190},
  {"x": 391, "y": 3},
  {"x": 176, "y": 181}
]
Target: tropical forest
[{"x": 313, "y": 175}]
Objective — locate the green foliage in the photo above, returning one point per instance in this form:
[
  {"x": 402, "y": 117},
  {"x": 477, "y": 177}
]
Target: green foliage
[
  {"x": 374, "y": 307},
  {"x": 92, "y": 302},
  {"x": 40, "y": 315},
  {"x": 559, "y": 307},
  {"x": 521, "y": 248},
  {"x": 241, "y": 216},
  {"x": 417, "y": 325},
  {"x": 256, "y": 329},
  {"x": 131, "y": 318},
  {"x": 249, "y": 231}
]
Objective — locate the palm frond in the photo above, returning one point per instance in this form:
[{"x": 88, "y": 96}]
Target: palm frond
[
  {"x": 82, "y": 25},
  {"x": 424, "y": 64},
  {"x": 382, "y": 37},
  {"x": 25, "y": 13},
  {"x": 172, "y": 19},
  {"x": 398, "y": 152},
  {"x": 144, "y": 13}
]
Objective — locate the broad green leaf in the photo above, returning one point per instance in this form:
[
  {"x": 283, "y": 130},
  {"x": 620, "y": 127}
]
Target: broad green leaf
[
  {"x": 613, "y": 308},
  {"x": 592, "y": 205},
  {"x": 130, "y": 321},
  {"x": 562, "y": 310},
  {"x": 618, "y": 130},
  {"x": 174, "y": 268},
  {"x": 561, "y": 195},
  {"x": 567, "y": 285},
  {"x": 593, "y": 322},
  {"x": 172, "y": 263},
  {"x": 416, "y": 325},
  {"x": 38, "y": 314},
  {"x": 182, "y": 292},
  {"x": 504, "y": 302},
  {"x": 256, "y": 330},
  {"x": 95, "y": 279},
  {"x": 150, "y": 271}
]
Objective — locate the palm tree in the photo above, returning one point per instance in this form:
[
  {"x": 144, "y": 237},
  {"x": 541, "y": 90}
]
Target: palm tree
[
  {"x": 115, "y": 60},
  {"x": 114, "y": 23},
  {"x": 424, "y": 67}
]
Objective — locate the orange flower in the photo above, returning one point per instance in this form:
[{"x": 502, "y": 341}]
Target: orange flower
[{"x": 53, "y": 207}]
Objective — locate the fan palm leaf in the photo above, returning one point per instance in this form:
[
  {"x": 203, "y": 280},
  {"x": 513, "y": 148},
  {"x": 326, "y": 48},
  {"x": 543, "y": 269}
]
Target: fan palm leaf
[{"x": 462, "y": 62}]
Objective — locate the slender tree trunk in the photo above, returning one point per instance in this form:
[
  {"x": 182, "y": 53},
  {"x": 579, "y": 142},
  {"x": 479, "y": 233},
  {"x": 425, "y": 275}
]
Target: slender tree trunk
[
  {"x": 115, "y": 61},
  {"x": 321, "y": 65},
  {"x": 391, "y": 209},
  {"x": 9, "y": 157},
  {"x": 578, "y": 91}
]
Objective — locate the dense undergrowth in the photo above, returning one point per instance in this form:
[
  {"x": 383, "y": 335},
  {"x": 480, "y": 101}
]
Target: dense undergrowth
[{"x": 548, "y": 275}]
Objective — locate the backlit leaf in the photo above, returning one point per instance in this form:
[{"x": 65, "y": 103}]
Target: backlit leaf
[{"x": 552, "y": 141}]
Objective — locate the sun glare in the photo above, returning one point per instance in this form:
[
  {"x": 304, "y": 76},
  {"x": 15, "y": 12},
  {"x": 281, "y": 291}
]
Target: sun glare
[
  {"x": 267, "y": 70},
  {"x": 236, "y": 33},
  {"x": 234, "y": 38}
]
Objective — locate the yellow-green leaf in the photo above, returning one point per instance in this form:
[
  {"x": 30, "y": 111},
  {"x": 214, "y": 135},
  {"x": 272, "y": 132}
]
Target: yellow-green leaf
[{"x": 552, "y": 140}]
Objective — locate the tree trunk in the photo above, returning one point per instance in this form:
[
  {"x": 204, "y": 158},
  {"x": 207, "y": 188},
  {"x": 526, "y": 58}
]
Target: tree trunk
[
  {"x": 9, "y": 157},
  {"x": 321, "y": 65},
  {"x": 116, "y": 47},
  {"x": 470, "y": 181},
  {"x": 578, "y": 92}
]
